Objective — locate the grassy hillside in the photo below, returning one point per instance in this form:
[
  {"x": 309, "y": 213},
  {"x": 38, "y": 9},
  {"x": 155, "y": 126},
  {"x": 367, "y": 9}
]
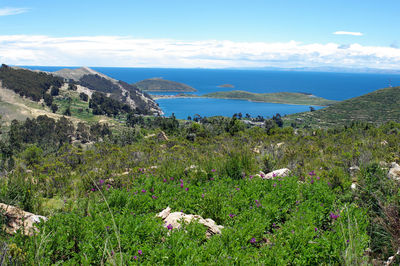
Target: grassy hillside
[
  {"x": 157, "y": 84},
  {"x": 279, "y": 97},
  {"x": 376, "y": 107}
]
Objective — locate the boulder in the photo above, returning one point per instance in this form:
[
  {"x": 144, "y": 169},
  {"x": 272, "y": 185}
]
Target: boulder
[
  {"x": 174, "y": 221},
  {"x": 394, "y": 172},
  {"x": 276, "y": 173},
  {"x": 162, "y": 136},
  {"x": 354, "y": 170},
  {"x": 17, "y": 219}
]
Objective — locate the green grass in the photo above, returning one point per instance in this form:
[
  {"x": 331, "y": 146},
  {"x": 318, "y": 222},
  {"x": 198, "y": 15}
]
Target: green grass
[{"x": 279, "y": 97}]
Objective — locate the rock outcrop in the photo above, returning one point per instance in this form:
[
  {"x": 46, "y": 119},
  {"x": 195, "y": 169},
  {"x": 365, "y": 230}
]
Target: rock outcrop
[
  {"x": 394, "y": 171},
  {"x": 174, "y": 220},
  {"x": 276, "y": 173},
  {"x": 18, "y": 219}
]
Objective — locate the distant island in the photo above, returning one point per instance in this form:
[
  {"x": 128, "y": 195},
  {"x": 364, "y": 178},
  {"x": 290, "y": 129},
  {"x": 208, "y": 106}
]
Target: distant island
[
  {"x": 277, "y": 97},
  {"x": 226, "y": 86},
  {"x": 163, "y": 85}
]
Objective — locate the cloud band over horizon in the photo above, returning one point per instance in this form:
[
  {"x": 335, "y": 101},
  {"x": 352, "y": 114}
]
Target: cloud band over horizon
[{"x": 120, "y": 51}]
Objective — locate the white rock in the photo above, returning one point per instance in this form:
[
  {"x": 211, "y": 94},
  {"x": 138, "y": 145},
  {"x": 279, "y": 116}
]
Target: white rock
[
  {"x": 394, "y": 172},
  {"x": 277, "y": 173},
  {"x": 175, "y": 220}
]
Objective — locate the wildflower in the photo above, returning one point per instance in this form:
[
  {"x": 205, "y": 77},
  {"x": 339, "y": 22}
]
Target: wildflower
[
  {"x": 311, "y": 173},
  {"x": 273, "y": 174},
  {"x": 171, "y": 178},
  {"x": 202, "y": 195},
  {"x": 274, "y": 185},
  {"x": 317, "y": 177},
  {"x": 297, "y": 202},
  {"x": 164, "y": 180},
  {"x": 140, "y": 252},
  {"x": 334, "y": 216},
  {"x": 143, "y": 191},
  {"x": 315, "y": 229},
  {"x": 107, "y": 227},
  {"x": 213, "y": 170},
  {"x": 154, "y": 197},
  {"x": 187, "y": 189},
  {"x": 112, "y": 252},
  {"x": 253, "y": 240},
  {"x": 181, "y": 185},
  {"x": 312, "y": 181},
  {"x": 93, "y": 189},
  {"x": 169, "y": 227},
  {"x": 237, "y": 189},
  {"x": 232, "y": 215},
  {"x": 101, "y": 181},
  {"x": 292, "y": 231},
  {"x": 348, "y": 241},
  {"x": 135, "y": 257},
  {"x": 251, "y": 177},
  {"x": 212, "y": 178}
]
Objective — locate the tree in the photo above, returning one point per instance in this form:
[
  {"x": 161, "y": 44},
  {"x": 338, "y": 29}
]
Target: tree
[
  {"x": 278, "y": 120},
  {"x": 54, "y": 107},
  {"x": 54, "y": 91},
  {"x": 67, "y": 111},
  {"x": 84, "y": 97},
  {"x": 312, "y": 109},
  {"x": 48, "y": 99}
]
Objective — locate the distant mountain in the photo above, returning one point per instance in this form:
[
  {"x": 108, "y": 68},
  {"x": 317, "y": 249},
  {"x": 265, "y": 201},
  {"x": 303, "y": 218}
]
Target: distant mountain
[
  {"x": 158, "y": 84},
  {"x": 116, "y": 89},
  {"x": 376, "y": 107}
]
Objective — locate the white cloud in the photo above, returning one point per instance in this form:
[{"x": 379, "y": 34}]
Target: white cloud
[
  {"x": 348, "y": 33},
  {"x": 122, "y": 51},
  {"x": 8, "y": 11}
]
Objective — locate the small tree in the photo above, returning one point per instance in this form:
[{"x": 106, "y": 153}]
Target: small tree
[
  {"x": 54, "y": 107},
  {"x": 67, "y": 111}
]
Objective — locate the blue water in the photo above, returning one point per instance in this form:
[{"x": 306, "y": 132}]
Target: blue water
[{"x": 334, "y": 86}]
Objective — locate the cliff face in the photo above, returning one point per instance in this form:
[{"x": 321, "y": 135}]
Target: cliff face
[{"x": 116, "y": 89}]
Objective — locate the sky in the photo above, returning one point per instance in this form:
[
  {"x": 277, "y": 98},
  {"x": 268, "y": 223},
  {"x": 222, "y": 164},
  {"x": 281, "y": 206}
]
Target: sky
[{"x": 205, "y": 34}]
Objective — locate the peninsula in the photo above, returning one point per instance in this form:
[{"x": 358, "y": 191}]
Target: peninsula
[{"x": 276, "y": 97}]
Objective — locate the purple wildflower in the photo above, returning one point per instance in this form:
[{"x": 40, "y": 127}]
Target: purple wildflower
[
  {"x": 112, "y": 252},
  {"x": 171, "y": 178},
  {"x": 297, "y": 202},
  {"x": 232, "y": 215},
  {"x": 312, "y": 173},
  {"x": 274, "y": 185},
  {"x": 334, "y": 216},
  {"x": 143, "y": 191},
  {"x": 202, "y": 195},
  {"x": 169, "y": 227},
  {"x": 154, "y": 197},
  {"x": 135, "y": 257},
  {"x": 317, "y": 177},
  {"x": 251, "y": 177},
  {"x": 312, "y": 181},
  {"x": 101, "y": 181},
  {"x": 213, "y": 170},
  {"x": 253, "y": 240},
  {"x": 187, "y": 189},
  {"x": 140, "y": 252},
  {"x": 181, "y": 185},
  {"x": 164, "y": 180},
  {"x": 93, "y": 189},
  {"x": 315, "y": 229},
  {"x": 212, "y": 178}
]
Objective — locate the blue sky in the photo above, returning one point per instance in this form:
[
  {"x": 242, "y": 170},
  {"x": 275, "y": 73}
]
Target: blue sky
[{"x": 219, "y": 32}]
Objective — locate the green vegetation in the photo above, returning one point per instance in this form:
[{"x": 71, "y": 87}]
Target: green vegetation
[
  {"x": 279, "y": 97},
  {"x": 157, "y": 84},
  {"x": 102, "y": 199},
  {"x": 28, "y": 83},
  {"x": 376, "y": 107}
]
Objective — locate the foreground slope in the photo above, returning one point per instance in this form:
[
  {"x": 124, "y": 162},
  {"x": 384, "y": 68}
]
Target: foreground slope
[{"x": 376, "y": 107}]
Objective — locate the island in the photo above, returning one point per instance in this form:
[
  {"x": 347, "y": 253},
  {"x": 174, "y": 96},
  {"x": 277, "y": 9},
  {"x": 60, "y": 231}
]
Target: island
[
  {"x": 163, "y": 85},
  {"x": 226, "y": 86},
  {"x": 298, "y": 98}
]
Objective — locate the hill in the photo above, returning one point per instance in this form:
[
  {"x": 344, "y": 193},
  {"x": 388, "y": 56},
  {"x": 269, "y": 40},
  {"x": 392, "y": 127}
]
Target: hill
[
  {"x": 376, "y": 107},
  {"x": 279, "y": 97},
  {"x": 116, "y": 89},
  {"x": 158, "y": 84}
]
